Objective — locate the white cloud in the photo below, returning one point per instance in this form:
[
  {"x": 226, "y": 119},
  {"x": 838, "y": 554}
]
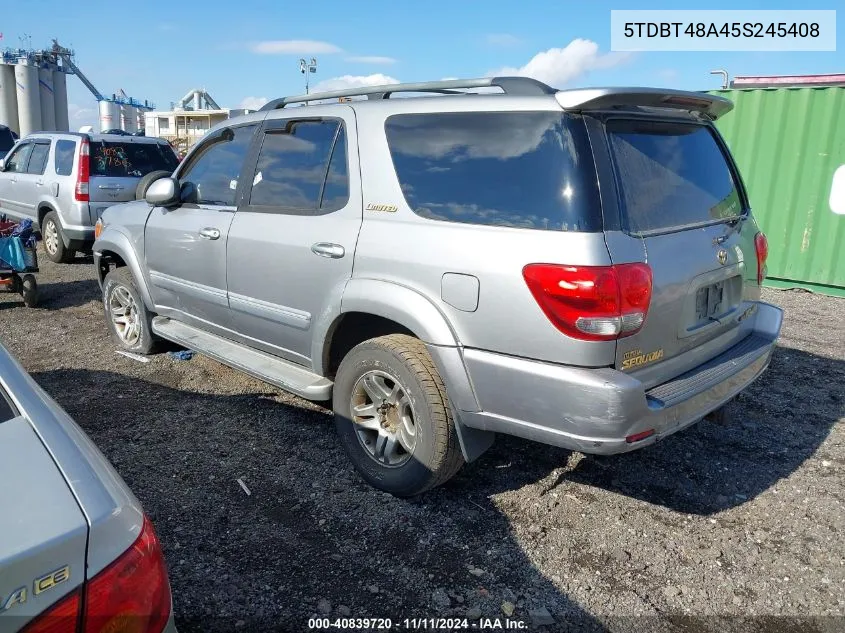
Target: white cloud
[
  {"x": 252, "y": 103},
  {"x": 295, "y": 47},
  {"x": 353, "y": 81},
  {"x": 503, "y": 39},
  {"x": 559, "y": 66},
  {"x": 82, "y": 115},
  {"x": 371, "y": 59}
]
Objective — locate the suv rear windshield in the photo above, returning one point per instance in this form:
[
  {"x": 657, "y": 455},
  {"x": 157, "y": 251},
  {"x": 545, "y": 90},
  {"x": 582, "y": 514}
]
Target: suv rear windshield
[
  {"x": 671, "y": 175},
  {"x": 519, "y": 169},
  {"x": 6, "y": 140},
  {"x": 109, "y": 158}
]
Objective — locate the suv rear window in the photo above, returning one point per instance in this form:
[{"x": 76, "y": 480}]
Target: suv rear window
[
  {"x": 109, "y": 158},
  {"x": 7, "y": 141},
  {"x": 519, "y": 169},
  {"x": 671, "y": 175}
]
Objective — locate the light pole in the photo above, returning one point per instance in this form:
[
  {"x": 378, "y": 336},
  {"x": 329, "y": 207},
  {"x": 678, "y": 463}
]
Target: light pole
[{"x": 307, "y": 68}]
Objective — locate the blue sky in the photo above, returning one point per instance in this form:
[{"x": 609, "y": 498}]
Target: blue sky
[{"x": 247, "y": 50}]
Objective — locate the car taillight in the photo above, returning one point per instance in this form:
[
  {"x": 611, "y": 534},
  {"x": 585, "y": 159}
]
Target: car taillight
[
  {"x": 761, "y": 246},
  {"x": 83, "y": 173},
  {"x": 62, "y": 617},
  {"x": 593, "y": 303},
  {"x": 133, "y": 593}
]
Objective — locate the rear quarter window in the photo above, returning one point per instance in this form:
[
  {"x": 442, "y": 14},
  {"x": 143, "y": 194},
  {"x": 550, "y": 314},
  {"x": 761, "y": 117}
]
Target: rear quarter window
[
  {"x": 115, "y": 159},
  {"x": 671, "y": 175},
  {"x": 65, "y": 152},
  {"x": 517, "y": 169}
]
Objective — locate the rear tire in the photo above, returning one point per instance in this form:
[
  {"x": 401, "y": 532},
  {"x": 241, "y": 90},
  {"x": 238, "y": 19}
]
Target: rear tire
[
  {"x": 128, "y": 319},
  {"x": 393, "y": 416},
  {"x": 146, "y": 181},
  {"x": 54, "y": 240},
  {"x": 29, "y": 291}
]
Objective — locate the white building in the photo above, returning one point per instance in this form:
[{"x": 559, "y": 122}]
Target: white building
[{"x": 193, "y": 115}]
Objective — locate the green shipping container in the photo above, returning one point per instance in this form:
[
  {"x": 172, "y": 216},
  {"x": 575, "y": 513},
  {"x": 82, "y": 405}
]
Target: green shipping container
[{"x": 789, "y": 144}]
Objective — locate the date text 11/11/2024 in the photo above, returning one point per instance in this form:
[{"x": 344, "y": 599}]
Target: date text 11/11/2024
[{"x": 418, "y": 624}]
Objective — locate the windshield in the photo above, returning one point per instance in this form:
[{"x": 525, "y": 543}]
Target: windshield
[
  {"x": 109, "y": 158},
  {"x": 671, "y": 175}
]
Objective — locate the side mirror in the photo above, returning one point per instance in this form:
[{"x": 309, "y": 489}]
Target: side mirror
[{"x": 164, "y": 192}]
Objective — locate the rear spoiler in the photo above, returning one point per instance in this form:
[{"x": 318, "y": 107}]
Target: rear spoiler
[{"x": 582, "y": 99}]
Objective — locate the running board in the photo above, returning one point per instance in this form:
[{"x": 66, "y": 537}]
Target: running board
[{"x": 271, "y": 369}]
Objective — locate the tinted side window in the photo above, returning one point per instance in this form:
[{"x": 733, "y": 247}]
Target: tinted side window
[
  {"x": 38, "y": 158},
  {"x": 292, "y": 164},
  {"x": 19, "y": 158},
  {"x": 671, "y": 175},
  {"x": 520, "y": 169},
  {"x": 65, "y": 151},
  {"x": 212, "y": 175}
]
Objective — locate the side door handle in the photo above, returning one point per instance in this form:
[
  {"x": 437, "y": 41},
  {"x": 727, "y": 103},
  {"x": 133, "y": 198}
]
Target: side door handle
[
  {"x": 39, "y": 182},
  {"x": 327, "y": 249},
  {"x": 209, "y": 233}
]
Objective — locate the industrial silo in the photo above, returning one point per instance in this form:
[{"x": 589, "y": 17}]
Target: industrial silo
[
  {"x": 60, "y": 100},
  {"x": 129, "y": 118},
  {"x": 29, "y": 102},
  {"x": 109, "y": 115},
  {"x": 48, "y": 103},
  {"x": 8, "y": 98}
]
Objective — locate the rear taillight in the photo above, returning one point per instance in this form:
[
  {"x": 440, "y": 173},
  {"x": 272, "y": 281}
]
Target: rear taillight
[
  {"x": 593, "y": 303},
  {"x": 83, "y": 173},
  {"x": 133, "y": 593},
  {"x": 62, "y": 617},
  {"x": 761, "y": 246}
]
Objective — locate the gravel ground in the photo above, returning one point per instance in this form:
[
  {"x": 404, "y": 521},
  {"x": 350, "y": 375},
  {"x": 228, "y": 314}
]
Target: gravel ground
[{"x": 733, "y": 525}]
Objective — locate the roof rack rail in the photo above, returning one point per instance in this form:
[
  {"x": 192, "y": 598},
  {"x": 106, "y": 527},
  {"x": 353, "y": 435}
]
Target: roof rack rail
[{"x": 518, "y": 86}]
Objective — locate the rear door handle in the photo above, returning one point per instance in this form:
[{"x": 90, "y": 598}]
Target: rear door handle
[
  {"x": 110, "y": 187},
  {"x": 327, "y": 249},
  {"x": 209, "y": 233}
]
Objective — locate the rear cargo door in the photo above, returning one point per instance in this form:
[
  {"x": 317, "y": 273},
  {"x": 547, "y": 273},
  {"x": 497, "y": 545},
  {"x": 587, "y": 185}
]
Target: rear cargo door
[
  {"x": 43, "y": 532},
  {"x": 682, "y": 207},
  {"x": 118, "y": 165}
]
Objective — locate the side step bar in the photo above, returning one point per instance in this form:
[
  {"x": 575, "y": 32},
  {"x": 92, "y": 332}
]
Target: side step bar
[{"x": 276, "y": 371}]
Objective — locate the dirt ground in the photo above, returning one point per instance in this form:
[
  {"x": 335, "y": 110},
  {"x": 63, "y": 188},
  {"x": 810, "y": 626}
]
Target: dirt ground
[{"x": 729, "y": 526}]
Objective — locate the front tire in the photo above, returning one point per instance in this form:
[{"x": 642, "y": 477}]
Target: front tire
[
  {"x": 128, "y": 319},
  {"x": 393, "y": 416},
  {"x": 54, "y": 241}
]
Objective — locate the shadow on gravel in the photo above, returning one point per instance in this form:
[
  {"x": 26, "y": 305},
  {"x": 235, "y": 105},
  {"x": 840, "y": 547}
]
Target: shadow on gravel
[
  {"x": 768, "y": 432},
  {"x": 67, "y": 294},
  {"x": 311, "y": 538}
]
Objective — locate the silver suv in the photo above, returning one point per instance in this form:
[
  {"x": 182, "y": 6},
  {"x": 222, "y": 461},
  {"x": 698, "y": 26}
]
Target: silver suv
[
  {"x": 63, "y": 181},
  {"x": 575, "y": 267}
]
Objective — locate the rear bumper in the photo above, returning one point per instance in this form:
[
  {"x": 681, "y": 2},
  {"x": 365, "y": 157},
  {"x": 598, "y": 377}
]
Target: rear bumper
[{"x": 595, "y": 410}]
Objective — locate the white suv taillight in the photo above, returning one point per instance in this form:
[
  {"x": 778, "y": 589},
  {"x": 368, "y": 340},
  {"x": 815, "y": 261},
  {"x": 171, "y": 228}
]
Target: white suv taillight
[
  {"x": 593, "y": 303},
  {"x": 83, "y": 173},
  {"x": 131, "y": 594}
]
